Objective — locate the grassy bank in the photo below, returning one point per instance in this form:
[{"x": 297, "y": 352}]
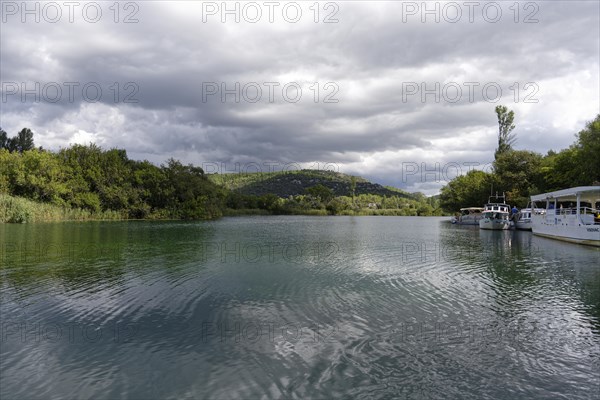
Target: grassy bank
[
  {"x": 19, "y": 210},
  {"x": 230, "y": 212},
  {"x": 359, "y": 212}
]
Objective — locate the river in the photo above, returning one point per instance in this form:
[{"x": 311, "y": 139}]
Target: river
[{"x": 295, "y": 307}]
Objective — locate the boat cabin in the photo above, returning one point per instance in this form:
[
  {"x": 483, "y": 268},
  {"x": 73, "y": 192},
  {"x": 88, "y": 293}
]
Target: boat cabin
[
  {"x": 497, "y": 207},
  {"x": 575, "y": 206}
]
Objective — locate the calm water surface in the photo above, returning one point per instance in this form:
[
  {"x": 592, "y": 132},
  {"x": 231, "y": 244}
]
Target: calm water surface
[{"x": 295, "y": 307}]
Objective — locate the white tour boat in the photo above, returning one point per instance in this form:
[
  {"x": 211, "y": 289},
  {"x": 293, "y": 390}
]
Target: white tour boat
[
  {"x": 523, "y": 220},
  {"x": 496, "y": 215},
  {"x": 570, "y": 215},
  {"x": 469, "y": 216}
]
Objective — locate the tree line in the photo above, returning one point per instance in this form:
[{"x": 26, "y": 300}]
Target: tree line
[
  {"x": 87, "y": 177},
  {"x": 20, "y": 143},
  {"x": 321, "y": 200},
  {"x": 90, "y": 178},
  {"x": 98, "y": 181},
  {"x": 522, "y": 173}
]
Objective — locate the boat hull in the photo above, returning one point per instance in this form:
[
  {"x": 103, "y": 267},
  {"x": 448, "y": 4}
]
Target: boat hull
[
  {"x": 494, "y": 224},
  {"x": 595, "y": 243},
  {"x": 523, "y": 225},
  {"x": 582, "y": 234},
  {"x": 469, "y": 216},
  {"x": 469, "y": 220}
]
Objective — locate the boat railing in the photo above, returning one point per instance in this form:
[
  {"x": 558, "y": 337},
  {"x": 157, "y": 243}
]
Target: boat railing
[
  {"x": 588, "y": 210},
  {"x": 573, "y": 210},
  {"x": 567, "y": 211},
  {"x": 587, "y": 215}
]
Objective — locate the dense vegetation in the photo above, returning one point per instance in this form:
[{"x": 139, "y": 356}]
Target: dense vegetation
[
  {"x": 320, "y": 200},
  {"x": 320, "y": 193},
  {"x": 521, "y": 173},
  {"x": 18, "y": 209},
  {"x": 87, "y": 182},
  {"x": 97, "y": 181}
]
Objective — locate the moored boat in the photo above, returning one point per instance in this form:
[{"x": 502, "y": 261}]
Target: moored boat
[
  {"x": 570, "y": 215},
  {"x": 469, "y": 216},
  {"x": 523, "y": 218},
  {"x": 496, "y": 215}
]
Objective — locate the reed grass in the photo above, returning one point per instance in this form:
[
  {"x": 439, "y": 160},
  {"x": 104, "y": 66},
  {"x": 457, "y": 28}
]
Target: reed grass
[{"x": 19, "y": 210}]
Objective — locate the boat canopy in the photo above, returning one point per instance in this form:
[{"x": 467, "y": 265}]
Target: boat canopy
[{"x": 585, "y": 192}]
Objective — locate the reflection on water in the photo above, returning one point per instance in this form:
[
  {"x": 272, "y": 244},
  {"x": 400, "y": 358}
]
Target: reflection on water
[{"x": 368, "y": 307}]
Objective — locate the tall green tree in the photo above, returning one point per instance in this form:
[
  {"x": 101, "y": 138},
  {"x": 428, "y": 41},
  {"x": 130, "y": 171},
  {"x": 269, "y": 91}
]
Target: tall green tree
[
  {"x": 353, "y": 188},
  {"x": 577, "y": 165},
  {"x": 470, "y": 190},
  {"x": 588, "y": 152},
  {"x": 322, "y": 192},
  {"x": 3, "y": 139},
  {"x": 192, "y": 195},
  {"x": 506, "y": 138},
  {"x": 23, "y": 141},
  {"x": 519, "y": 174},
  {"x": 20, "y": 143}
]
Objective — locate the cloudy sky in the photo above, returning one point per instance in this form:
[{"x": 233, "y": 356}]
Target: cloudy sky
[{"x": 400, "y": 92}]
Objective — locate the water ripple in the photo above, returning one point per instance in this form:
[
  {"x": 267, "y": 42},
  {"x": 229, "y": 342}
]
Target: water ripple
[{"x": 369, "y": 308}]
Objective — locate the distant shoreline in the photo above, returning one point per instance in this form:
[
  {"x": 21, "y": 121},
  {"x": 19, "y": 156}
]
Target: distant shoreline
[{"x": 17, "y": 210}]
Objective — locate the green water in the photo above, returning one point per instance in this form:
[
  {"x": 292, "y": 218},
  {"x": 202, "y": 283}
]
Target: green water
[{"x": 295, "y": 307}]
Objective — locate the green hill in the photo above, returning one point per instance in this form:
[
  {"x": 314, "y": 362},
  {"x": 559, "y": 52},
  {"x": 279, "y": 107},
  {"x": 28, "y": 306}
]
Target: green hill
[{"x": 292, "y": 183}]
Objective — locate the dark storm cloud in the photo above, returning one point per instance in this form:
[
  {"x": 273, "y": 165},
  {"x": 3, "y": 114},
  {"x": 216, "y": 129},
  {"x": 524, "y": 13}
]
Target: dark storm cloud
[{"x": 370, "y": 55}]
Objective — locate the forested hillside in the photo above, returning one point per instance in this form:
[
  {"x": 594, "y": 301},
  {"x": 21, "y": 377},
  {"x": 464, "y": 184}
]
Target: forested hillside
[{"x": 292, "y": 183}]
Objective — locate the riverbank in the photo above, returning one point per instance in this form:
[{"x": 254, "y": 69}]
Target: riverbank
[{"x": 20, "y": 210}]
